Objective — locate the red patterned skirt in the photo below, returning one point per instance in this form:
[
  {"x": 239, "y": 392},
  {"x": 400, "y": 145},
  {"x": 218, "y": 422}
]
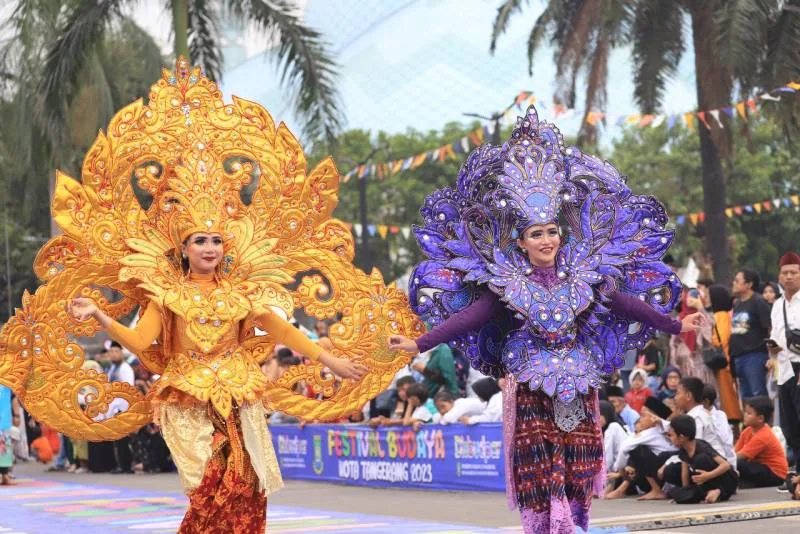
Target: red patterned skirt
[
  {"x": 553, "y": 468},
  {"x": 228, "y": 500}
]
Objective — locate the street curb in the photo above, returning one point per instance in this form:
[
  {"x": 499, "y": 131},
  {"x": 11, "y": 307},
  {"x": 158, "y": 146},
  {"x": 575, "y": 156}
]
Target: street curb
[{"x": 691, "y": 518}]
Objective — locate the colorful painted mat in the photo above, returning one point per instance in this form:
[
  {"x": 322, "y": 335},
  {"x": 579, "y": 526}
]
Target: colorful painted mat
[{"x": 36, "y": 506}]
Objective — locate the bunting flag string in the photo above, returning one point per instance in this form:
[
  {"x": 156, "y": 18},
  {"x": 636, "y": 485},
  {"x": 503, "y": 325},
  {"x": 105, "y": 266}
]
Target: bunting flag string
[
  {"x": 384, "y": 231},
  {"x": 757, "y": 208},
  {"x": 710, "y": 118},
  {"x": 449, "y": 151}
]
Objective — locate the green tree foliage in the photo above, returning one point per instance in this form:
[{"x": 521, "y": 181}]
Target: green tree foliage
[
  {"x": 395, "y": 199},
  {"x": 666, "y": 163}
]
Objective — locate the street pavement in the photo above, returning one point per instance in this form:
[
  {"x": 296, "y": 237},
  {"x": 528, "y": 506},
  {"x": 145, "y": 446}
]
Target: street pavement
[{"x": 102, "y": 503}]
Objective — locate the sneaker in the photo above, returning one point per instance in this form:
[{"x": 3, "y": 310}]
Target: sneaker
[{"x": 81, "y": 470}]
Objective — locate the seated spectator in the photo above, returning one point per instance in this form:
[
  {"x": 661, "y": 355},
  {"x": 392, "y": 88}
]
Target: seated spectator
[
  {"x": 613, "y": 433},
  {"x": 490, "y": 392},
  {"x": 628, "y": 415},
  {"x": 670, "y": 378},
  {"x": 416, "y": 412},
  {"x": 689, "y": 399},
  {"x": 642, "y": 454},
  {"x": 722, "y": 427},
  {"x": 392, "y": 401},
  {"x": 639, "y": 391},
  {"x": 450, "y": 409},
  {"x": 439, "y": 371},
  {"x": 761, "y": 460},
  {"x": 705, "y": 474}
]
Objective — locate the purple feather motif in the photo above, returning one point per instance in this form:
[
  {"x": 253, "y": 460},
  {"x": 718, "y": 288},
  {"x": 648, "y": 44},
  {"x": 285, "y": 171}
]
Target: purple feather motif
[{"x": 558, "y": 334}]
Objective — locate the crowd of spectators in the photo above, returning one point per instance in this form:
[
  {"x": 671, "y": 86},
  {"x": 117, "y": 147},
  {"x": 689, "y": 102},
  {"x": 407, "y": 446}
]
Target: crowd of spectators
[{"x": 694, "y": 417}]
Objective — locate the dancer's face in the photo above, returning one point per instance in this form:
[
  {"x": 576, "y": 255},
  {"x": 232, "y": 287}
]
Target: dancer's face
[
  {"x": 541, "y": 243},
  {"x": 204, "y": 252}
]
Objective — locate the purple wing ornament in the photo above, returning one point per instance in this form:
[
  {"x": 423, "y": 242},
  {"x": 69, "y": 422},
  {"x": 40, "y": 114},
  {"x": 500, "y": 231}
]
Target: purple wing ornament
[{"x": 558, "y": 335}]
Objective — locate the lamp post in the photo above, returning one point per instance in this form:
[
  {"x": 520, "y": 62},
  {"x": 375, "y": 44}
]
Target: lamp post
[{"x": 366, "y": 257}]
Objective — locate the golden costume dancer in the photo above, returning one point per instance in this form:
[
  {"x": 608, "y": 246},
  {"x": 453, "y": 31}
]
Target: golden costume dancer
[{"x": 202, "y": 215}]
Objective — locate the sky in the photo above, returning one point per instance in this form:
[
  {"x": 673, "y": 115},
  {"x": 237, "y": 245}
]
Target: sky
[{"x": 415, "y": 64}]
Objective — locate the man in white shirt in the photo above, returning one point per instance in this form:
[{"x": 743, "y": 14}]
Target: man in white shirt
[{"x": 787, "y": 310}]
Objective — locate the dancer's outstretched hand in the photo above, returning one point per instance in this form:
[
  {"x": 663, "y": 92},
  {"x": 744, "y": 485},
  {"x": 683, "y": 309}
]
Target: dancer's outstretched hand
[
  {"x": 403, "y": 343},
  {"x": 343, "y": 368},
  {"x": 82, "y": 308},
  {"x": 693, "y": 322}
]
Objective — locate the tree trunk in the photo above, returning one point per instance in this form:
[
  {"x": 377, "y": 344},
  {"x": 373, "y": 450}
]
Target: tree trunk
[
  {"x": 714, "y": 85},
  {"x": 180, "y": 21}
]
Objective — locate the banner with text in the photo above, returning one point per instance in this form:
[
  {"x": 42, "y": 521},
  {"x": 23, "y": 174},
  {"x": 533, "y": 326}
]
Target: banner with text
[{"x": 455, "y": 457}]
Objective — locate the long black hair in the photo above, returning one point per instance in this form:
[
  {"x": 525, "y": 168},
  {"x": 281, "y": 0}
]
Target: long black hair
[
  {"x": 486, "y": 388},
  {"x": 721, "y": 299}
]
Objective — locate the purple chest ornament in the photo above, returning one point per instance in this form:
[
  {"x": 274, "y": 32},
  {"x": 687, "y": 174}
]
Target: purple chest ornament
[{"x": 557, "y": 332}]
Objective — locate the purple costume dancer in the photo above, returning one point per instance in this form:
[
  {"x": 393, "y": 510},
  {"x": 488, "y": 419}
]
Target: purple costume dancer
[{"x": 555, "y": 332}]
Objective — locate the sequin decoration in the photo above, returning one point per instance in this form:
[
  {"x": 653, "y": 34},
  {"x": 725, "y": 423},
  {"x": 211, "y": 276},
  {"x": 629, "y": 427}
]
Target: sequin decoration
[{"x": 568, "y": 338}]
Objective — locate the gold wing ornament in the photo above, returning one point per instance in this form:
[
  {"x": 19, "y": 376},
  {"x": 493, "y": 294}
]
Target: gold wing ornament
[{"x": 183, "y": 163}]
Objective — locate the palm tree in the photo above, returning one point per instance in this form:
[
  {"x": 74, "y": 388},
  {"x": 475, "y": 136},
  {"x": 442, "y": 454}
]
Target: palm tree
[
  {"x": 730, "y": 39},
  {"x": 583, "y": 32},
  {"x": 306, "y": 69}
]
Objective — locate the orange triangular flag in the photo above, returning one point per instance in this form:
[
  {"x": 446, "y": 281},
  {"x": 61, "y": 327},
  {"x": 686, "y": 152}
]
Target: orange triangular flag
[
  {"x": 740, "y": 109},
  {"x": 738, "y": 210},
  {"x": 757, "y": 207},
  {"x": 394, "y": 229},
  {"x": 767, "y": 205},
  {"x": 383, "y": 230},
  {"x": 688, "y": 118},
  {"x": 693, "y": 218},
  {"x": 795, "y": 199},
  {"x": 702, "y": 116},
  {"x": 729, "y": 212},
  {"x": 701, "y": 217}
]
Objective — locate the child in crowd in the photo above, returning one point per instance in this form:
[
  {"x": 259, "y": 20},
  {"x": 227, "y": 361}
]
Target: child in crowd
[
  {"x": 689, "y": 399},
  {"x": 416, "y": 412},
  {"x": 722, "y": 427},
  {"x": 489, "y": 391},
  {"x": 639, "y": 391},
  {"x": 641, "y": 455},
  {"x": 628, "y": 415},
  {"x": 450, "y": 409},
  {"x": 670, "y": 378},
  {"x": 761, "y": 460},
  {"x": 705, "y": 475}
]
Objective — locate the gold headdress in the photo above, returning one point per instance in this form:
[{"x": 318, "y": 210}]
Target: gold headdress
[{"x": 187, "y": 162}]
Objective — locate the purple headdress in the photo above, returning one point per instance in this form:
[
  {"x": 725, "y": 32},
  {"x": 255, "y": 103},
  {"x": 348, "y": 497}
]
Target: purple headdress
[{"x": 568, "y": 338}]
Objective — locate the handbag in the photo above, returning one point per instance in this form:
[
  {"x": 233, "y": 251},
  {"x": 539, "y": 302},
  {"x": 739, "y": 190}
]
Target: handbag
[
  {"x": 792, "y": 334},
  {"x": 714, "y": 357}
]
